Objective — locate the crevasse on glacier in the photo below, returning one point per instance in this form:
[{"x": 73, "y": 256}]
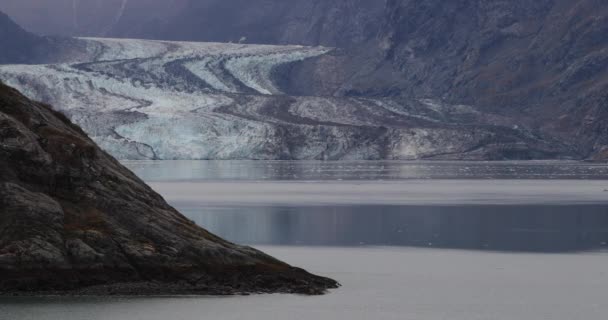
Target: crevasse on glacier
[{"x": 144, "y": 99}]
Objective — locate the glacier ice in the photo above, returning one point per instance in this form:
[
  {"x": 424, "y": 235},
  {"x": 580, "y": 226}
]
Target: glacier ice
[{"x": 144, "y": 99}]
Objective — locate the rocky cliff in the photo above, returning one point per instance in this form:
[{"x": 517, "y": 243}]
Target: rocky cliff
[
  {"x": 72, "y": 219},
  {"x": 541, "y": 62}
]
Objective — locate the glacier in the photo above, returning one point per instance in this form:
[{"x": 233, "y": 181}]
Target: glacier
[{"x": 145, "y": 99}]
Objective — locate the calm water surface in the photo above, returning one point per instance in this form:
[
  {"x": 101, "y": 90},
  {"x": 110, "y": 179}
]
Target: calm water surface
[
  {"x": 364, "y": 170},
  {"x": 284, "y": 218},
  {"x": 408, "y": 240}
]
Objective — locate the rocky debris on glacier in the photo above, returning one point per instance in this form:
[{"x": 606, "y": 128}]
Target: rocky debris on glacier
[
  {"x": 73, "y": 220},
  {"x": 536, "y": 66},
  {"x": 141, "y": 99}
]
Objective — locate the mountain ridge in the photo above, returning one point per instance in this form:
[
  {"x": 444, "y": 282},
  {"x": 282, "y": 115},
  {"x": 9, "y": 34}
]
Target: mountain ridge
[
  {"x": 22, "y": 47},
  {"x": 18, "y": 46}
]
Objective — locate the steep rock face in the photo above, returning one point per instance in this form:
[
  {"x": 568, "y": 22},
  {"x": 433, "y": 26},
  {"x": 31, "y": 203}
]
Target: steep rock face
[
  {"x": 541, "y": 62},
  {"x": 73, "y": 219}
]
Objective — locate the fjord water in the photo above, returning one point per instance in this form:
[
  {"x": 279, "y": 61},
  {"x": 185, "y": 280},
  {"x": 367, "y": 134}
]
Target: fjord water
[
  {"x": 407, "y": 240},
  {"x": 512, "y": 206}
]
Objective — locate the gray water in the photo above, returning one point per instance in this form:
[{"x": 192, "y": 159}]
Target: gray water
[
  {"x": 408, "y": 240},
  {"x": 506, "y": 206},
  {"x": 534, "y": 228},
  {"x": 364, "y": 170}
]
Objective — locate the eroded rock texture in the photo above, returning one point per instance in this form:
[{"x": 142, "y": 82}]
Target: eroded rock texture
[{"x": 72, "y": 219}]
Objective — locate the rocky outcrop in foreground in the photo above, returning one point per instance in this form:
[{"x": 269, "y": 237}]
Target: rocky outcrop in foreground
[{"x": 74, "y": 220}]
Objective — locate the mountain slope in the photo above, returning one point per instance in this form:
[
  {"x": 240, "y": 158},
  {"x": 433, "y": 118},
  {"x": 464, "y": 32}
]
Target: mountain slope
[
  {"x": 306, "y": 22},
  {"x": 542, "y": 62},
  {"x": 90, "y": 17},
  {"x": 21, "y": 47},
  {"x": 337, "y": 23},
  {"x": 18, "y": 46}
]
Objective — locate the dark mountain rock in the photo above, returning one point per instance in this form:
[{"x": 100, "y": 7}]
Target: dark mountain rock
[
  {"x": 338, "y": 23},
  {"x": 73, "y": 220},
  {"x": 542, "y": 62}
]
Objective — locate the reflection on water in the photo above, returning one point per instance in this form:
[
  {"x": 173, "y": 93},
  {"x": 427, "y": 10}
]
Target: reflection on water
[
  {"x": 400, "y": 282},
  {"x": 363, "y": 170},
  {"x": 502, "y": 228},
  {"x": 535, "y": 228}
]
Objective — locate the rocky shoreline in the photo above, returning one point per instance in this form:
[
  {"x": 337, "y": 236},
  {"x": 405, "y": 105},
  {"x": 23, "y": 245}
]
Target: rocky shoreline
[{"x": 295, "y": 281}]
